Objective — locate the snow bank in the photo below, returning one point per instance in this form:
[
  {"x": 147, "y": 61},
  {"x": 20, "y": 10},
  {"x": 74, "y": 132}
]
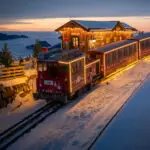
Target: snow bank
[
  {"x": 19, "y": 109},
  {"x": 21, "y": 106},
  {"x": 19, "y": 80},
  {"x": 13, "y": 82},
  {"x": 75, "y": 126},
  {"x": 30, "y": 72}
]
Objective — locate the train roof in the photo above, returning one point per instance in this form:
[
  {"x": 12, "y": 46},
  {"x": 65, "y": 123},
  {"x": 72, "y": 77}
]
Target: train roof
[
  {"x": 142, "y": 36},
  {"x": 60, "y": 55},
  {"x": 112, "y": 46}
]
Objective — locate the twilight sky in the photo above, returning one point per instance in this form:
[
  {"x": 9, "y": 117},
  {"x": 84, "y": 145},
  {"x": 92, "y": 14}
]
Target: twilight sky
[{"x": 46, "y": 15}]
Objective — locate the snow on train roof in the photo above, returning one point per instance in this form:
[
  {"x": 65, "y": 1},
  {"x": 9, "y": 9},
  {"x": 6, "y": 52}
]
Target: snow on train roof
[
  {"x": 141, "y": 36},
  {"x": 111, "y": 46},
  {"x": 60, "y": 55}
]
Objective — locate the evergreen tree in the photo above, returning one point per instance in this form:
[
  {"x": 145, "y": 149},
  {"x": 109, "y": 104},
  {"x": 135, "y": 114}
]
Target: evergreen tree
[
  {"x": 37, "y": 49},
  {"x": 6, "y": 56}
]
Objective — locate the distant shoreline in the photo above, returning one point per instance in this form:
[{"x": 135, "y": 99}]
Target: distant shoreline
[{"x": 5, "y": 37}]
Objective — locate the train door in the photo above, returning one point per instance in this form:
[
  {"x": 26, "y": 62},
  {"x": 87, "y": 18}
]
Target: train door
[{"x": 75, "y": 42}]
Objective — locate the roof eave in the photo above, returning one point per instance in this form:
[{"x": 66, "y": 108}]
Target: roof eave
[{"x": 58, "y": 29}]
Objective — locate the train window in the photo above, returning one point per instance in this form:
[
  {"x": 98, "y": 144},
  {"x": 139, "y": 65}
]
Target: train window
[
  {"x": 131, "y": 50},
  {"x": 128, "y": 49},
  {"x": 142, "y": 44},
  {"x": 134, "y": 48},
  {"x": 119, "y": 54},
  {"x": 113, "y": 56},
  {"x": 110, "y": 58},
  {"x": 44, "y": 67},
  {"x": 147, "y": 43},
  {"x": 63, "y": 68},
  {"x": 39, "y": 66},
  {"x": 107, "y": 59},
  {"x": 52, "y": 70},
  {"x": 97, "y": 68},
  {"x": 77, "y": 66},
  {"x": 124, "y": 52}
]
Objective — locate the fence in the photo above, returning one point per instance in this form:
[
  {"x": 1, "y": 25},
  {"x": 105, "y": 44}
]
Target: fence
[
  {"x": 28, "y": 64},
  {"x": 11, "y": 72}
]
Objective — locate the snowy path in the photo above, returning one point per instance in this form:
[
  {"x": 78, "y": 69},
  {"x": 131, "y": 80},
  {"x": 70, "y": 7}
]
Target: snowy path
[{"x": 75, "y": 126}]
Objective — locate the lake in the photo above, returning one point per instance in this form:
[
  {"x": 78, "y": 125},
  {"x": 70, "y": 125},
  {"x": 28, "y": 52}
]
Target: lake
[{"x": 18, "y": 46}]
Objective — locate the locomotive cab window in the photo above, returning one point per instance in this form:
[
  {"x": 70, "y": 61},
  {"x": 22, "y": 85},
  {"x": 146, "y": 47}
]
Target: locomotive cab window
[
  {"x": 63, "y": 68},
  {"x": 39, "y": 66},
  {"x": 42, "y": 67},
  {"x": 52, "y": 69}
]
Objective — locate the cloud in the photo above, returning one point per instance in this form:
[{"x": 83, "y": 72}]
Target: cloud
[
  {"x": 24, "y": 9},
  {"x": 50, "y": 24},
  {"x": 146, "y": 18},
  {"x": 10, "y": 21}
]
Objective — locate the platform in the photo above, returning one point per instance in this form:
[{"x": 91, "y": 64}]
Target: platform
[{"x": 130, "y": 130}]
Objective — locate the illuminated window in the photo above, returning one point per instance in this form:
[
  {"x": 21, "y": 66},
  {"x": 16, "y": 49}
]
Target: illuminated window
[
  {"x": 39, "y": 67},
  {"x": 75, "y": 42},
  {"x": 77, "y": 67}
]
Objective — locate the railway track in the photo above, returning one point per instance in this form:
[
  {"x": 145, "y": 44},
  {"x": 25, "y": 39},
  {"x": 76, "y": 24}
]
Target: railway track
[{"x": 13, "y": 133}]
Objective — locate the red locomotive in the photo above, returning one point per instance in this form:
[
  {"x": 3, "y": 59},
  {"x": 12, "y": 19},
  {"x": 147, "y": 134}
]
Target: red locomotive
[
  {"x": 65, "y": 73},
  {"x": 62, "y": 74}
]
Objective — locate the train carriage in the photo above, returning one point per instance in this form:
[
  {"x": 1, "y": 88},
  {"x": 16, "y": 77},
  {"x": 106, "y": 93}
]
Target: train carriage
[
  {"x": 116, "y": 55},
  {"x": 143, "y": 40},
  {"x": 64, "y": 74}
]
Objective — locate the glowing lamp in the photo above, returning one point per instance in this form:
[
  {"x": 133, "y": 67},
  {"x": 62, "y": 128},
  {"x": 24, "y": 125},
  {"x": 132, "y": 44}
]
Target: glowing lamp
[{"x": 93, "y": 41}]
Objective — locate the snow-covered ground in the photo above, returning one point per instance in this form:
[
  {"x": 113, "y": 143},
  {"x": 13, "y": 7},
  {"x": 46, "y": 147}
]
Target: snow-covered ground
[
  {"x": 130, "y": 130},
  {"x": 19, "y": 80},
  {"x": 75, "y": 126},
  {"x": 21, "y": 106},
  {"x": 19, "y": 109}
]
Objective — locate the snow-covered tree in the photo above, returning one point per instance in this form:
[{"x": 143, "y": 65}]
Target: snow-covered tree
[
  {"x": 37, "y": 49},
  {"x": 6, "y": 56}
]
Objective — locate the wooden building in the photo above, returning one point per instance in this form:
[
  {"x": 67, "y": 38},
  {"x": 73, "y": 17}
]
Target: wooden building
[{"x": 87, "y": 35}]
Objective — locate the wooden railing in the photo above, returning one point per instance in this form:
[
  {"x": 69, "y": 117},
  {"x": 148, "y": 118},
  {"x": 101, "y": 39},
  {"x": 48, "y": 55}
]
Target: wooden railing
[{"x": 11, "y": 72}]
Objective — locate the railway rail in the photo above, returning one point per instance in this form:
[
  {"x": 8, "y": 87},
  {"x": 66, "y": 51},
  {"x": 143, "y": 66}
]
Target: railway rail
[{"x": 12, "y": 134}]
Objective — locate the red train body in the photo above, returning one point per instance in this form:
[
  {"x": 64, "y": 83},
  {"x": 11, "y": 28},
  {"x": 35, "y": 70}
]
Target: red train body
[{"x": 62, "y": 74}]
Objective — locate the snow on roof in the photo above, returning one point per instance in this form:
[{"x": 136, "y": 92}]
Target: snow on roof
[
  {"x": 126, "y": 26},
  {"x": 97, "y": 24},
  {"x": 114, "y": 45},
  {"x": 101, "y": 24}
]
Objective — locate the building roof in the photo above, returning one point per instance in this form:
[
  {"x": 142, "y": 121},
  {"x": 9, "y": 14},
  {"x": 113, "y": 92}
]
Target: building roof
[
  {"x": 96, "y": 24},
  {"x": 100, "y": 25},
  {"x": 112, "y": 46}
]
